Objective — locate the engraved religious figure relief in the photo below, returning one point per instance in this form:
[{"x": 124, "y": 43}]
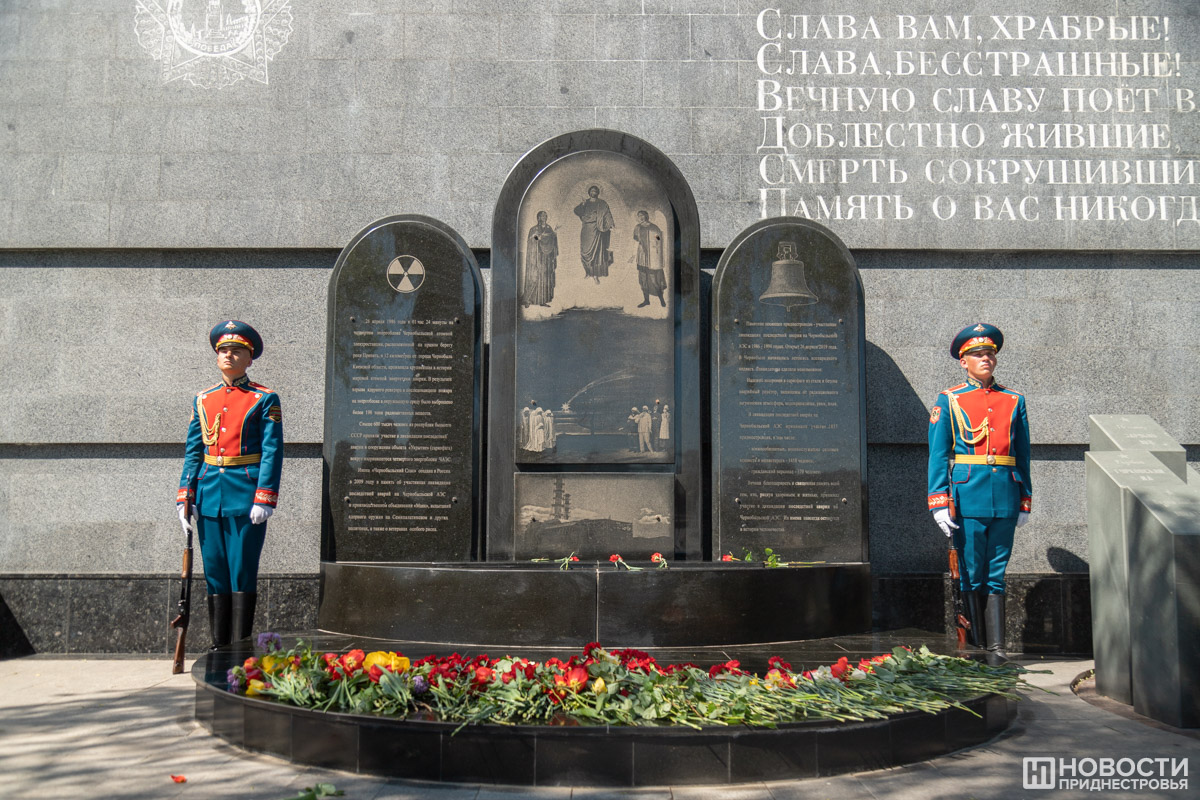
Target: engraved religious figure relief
[
  {"x": 651, "y": 277},
  {"x": 594, "y": 234},
  {"x": 541, "y": 261},
  {"x": 595, "y": 326}
]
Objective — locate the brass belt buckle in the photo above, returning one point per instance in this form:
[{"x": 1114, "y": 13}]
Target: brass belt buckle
[
  {"x": 220, "y": 461},
  {"x": 991, "y": 459}
]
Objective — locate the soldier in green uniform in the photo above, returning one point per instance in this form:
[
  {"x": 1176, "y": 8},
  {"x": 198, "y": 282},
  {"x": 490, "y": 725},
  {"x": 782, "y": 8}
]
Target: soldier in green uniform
[
  {"x": 231, "y": 470},
  {"x": 979, "y": 486}
]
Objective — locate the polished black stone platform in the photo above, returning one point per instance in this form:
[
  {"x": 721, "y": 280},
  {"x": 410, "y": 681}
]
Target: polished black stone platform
[
  {"x": 515, "y": 604},
  {"x": 598, "y": 756}
]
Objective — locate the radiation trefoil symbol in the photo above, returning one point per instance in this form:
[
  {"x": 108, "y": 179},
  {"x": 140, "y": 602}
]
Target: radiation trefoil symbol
[
  {"x": 406, "y": 274},
  {"x": 213, "y": 43}
]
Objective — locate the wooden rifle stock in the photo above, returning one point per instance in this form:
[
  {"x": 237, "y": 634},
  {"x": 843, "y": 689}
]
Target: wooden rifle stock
[
  {"x": 962, "y": 624},
  {"x": 184, "y": 608}
]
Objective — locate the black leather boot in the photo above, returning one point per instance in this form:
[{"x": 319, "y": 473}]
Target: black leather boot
[
  {"x": 243, "y": 614},
  {"x": 220, "y": 617},
  {"x": 974, "y": 603},
  {"x": 995, "y": 628}
]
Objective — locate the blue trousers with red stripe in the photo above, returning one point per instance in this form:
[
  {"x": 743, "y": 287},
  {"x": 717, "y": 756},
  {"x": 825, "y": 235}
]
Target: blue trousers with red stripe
[
  {"x": 984, "y": 545},
  {"x": 230, "y": 548}
]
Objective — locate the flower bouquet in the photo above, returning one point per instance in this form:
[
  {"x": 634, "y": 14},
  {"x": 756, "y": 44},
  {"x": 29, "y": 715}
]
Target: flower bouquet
[{"x": 617, "y": 687}]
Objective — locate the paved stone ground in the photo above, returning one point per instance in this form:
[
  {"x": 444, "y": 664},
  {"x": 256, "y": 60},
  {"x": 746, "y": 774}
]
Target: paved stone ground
[{"x": 119, "y": 728}]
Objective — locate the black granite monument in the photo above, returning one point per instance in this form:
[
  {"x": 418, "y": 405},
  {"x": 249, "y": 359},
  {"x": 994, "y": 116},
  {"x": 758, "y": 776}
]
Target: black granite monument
[
  {"x": 788, "y": 389},
  {"x": 597, "y": 411},
  {"x": 403, "y": 371}
]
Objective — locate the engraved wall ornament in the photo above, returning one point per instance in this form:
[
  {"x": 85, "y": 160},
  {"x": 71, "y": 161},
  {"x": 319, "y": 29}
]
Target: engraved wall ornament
[{"x": 213, "y": 43}]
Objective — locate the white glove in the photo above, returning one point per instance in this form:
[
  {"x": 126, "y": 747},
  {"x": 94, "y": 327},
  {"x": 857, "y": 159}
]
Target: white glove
[
  {"x": 260, "y": 514},
  {"x": 943, "y": 520},
  {"x": 1022, "y": 518},
  {"x": 181, "y": 508}
]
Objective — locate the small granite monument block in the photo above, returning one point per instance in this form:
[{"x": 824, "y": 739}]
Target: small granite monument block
[
  {"x": 1110, "y": 474},
  {"x": 1137, "y": 432},
  {"x": 1164, "y": 603}
]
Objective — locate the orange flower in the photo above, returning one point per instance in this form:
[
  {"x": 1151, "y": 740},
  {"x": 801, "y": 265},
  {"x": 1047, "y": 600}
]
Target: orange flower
[
  {"x": 352, "y": 662},
  {"x": 179, "y": 779},
  {"x": 573, "y": 680}
]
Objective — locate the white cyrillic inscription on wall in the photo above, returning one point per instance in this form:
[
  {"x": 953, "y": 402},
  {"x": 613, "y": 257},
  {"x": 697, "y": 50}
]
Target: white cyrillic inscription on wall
[{"x": 1017, "y": 117}]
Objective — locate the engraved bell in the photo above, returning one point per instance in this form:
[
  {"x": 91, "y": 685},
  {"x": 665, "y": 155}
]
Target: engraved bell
[{"x": 787, "y": 287}]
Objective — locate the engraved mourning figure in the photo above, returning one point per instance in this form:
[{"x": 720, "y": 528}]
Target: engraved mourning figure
[{"x": 541, "y": 261}]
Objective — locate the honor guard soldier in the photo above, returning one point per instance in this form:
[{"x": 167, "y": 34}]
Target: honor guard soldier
[
  {"x": 979, "y": 485},
  {"x": 231, "y": 469}
]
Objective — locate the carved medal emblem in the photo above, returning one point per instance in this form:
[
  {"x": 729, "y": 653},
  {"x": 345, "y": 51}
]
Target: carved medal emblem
[{"x": 213, "y": 43}]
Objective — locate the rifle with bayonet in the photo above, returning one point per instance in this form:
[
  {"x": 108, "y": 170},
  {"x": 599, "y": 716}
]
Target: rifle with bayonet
[{"x": 184, "y": 607}]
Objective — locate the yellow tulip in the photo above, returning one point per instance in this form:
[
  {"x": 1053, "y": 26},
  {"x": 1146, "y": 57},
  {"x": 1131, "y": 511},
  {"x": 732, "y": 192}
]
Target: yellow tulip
[
  {"x": 393, "y": 662},
  {"x": 254, "y": 688},
  {"x": 268, "y": 663},
  {"x": 599, "y": 686}
]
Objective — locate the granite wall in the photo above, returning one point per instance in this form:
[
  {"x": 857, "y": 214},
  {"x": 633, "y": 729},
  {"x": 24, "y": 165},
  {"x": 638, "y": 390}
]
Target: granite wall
[{"x": 157, "y": 174}]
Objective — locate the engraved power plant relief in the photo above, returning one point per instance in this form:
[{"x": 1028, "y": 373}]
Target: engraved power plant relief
[{"x": 594, "y": 514}]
